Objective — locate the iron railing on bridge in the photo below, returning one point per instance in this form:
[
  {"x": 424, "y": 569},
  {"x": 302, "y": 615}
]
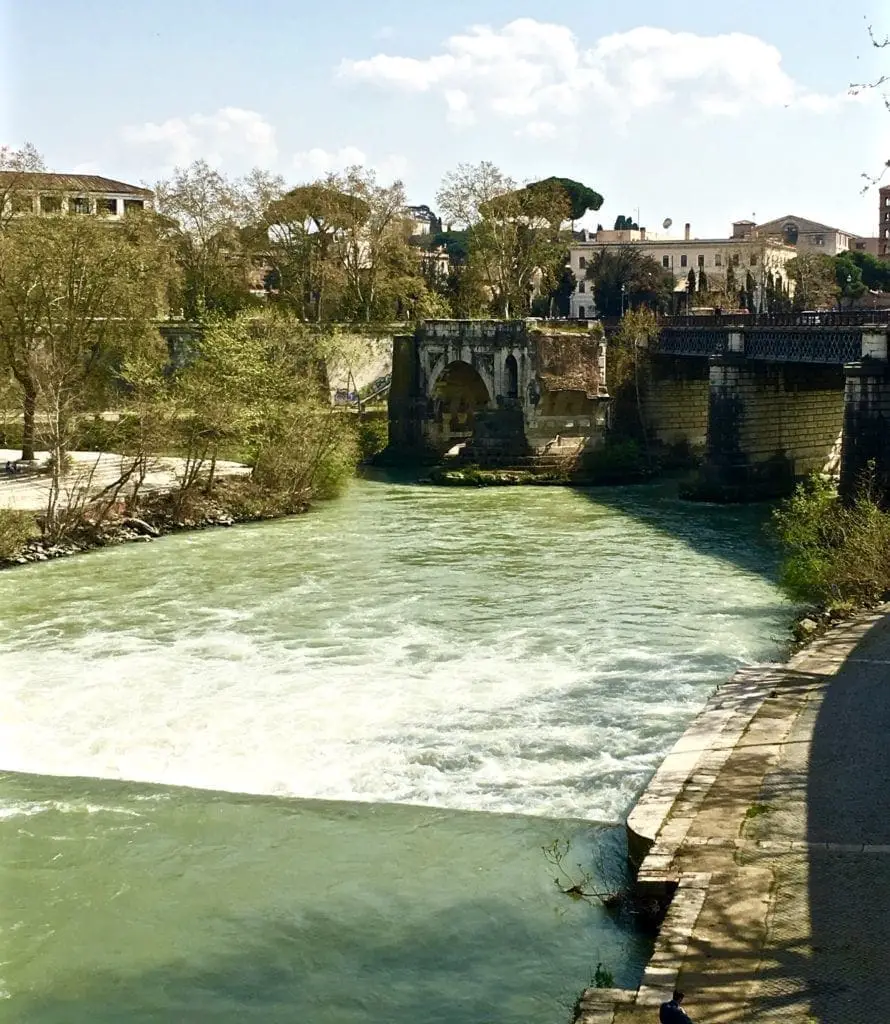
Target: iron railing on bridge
[{"x": 821, "y": 318}]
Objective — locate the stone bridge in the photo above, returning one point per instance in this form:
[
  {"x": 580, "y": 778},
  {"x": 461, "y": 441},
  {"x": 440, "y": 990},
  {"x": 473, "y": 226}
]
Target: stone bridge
[
  {"x": 497, "y": 391},
  {"x": 770, "y": 399}
]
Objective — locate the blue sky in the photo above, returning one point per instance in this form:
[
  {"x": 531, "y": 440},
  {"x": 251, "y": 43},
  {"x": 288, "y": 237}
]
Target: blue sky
[{"x": 699, "y": 112}]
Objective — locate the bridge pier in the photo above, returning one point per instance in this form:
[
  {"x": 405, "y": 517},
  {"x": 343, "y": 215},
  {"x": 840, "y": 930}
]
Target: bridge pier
[{"x": 867, "y": 417}]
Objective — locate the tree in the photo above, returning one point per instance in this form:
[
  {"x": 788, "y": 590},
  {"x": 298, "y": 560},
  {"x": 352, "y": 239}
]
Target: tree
[
  {"x": 16, "y": 163},
  {"x": 381, "y": 270},
  {"x": 581, "y": 197},
  {"x": 297, "y": 236},
  {"x": 623, "y": 223},
  {"x": 76, "y": 294},
  {"x": 848, "y": 276},
  {"x": 514, "y": 234},
  {"x": 625, "y": 277},
  {"x": 206, "y": 213},
  {"x": 875, "y": 272},
  {"x": 879, "y": 43},
  {"x": 255, "y": 390}
]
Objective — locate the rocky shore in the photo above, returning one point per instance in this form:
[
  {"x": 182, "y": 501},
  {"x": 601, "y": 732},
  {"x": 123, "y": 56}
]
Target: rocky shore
[{"x": 156, "y": 518}]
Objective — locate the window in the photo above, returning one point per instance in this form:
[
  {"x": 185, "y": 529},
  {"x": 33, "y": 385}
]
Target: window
[
  {"x": 701, "y": 260},
  {"x": 78, "y": 204},
  {"x": 581, "y": 312},
  {"x": 582, "y": 287},
  {"x": 683, "y": 260},
  {"x": 582, "y": 263},
  {"x": 753, "y": 260},
  {"x": 133, "y": 204},
  {"x": 887, "y": 201},
  {"x": 106, "y": 207},
  {"x": 818, "y": 239},
  {"x": 718, "y": 259},
  {"x": 666, "y": 262},
  {"x": 50, "y": 204},
  {"x": 735, "y": 259}
]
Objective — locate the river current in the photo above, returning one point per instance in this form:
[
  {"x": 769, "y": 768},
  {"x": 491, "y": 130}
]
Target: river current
[{"x": 304, "y": 770}]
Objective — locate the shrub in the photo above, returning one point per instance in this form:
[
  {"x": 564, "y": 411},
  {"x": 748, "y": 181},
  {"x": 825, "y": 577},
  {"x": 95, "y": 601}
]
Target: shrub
[
  {"x": 16, "y": 529},
  {"x": 373, "y": 435},
  {"x": 835, "y": 553}
]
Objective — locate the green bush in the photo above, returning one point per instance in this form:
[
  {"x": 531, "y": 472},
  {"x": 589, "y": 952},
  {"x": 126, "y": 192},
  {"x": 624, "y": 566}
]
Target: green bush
[
  {"x": 373, "y": 435},
  {"x": 617, "y": 460},
  {"x": 836, "y": 554},
  {"x": 16, "y": 529}
]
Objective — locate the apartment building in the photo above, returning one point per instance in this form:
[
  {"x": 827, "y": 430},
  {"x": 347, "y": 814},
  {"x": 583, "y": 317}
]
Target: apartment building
[{"x": 744, "y": 252}]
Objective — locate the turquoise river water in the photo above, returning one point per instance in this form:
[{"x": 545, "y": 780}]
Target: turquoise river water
[{"x": 303, "y": 771}]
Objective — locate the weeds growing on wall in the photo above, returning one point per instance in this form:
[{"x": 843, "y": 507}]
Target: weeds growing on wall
[{"x": 836, "y": 553}]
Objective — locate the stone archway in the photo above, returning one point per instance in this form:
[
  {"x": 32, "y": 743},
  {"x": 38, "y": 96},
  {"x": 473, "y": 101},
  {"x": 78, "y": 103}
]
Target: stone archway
[{"x": 458, "y": 393}]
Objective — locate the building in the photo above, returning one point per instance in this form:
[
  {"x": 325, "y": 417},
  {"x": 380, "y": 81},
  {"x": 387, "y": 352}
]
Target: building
[
  {"x": 884, "y": 222},
  {"x": 806, "y": 235},
  {"x": 744, "y": 253},
  {"x": 872, "y": 246},
  {"x": 24, "y": 192},
  {"x": 422, "y": 220}
]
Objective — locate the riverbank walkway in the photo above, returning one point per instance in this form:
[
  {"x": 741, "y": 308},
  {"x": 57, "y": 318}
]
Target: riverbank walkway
[
  {"x": 28, "y": 491},
  {"x": 772, "y": 814}
]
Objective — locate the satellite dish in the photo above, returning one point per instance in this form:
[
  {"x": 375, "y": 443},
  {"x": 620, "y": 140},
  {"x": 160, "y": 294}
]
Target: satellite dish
[{"x": 667, "y": 223}]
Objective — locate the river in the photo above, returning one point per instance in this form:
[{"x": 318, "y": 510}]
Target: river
[{"x": 304, "y": 770}]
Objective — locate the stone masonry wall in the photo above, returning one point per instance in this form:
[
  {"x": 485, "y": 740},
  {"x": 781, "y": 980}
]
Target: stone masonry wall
[
  {"x": 798, "y": 411},
  {"x": 676, "y": 411}
]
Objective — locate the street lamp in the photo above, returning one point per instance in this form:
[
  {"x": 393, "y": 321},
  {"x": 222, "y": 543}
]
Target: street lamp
[
  {"x": 849, "y": 282},
  {"x": 623, "y": 290}
]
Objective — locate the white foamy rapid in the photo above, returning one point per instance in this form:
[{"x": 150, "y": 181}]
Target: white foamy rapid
[{"x": 528, "y": 650}]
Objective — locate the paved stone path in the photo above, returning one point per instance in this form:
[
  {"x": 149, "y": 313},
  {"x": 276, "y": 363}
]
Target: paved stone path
[
  {"x": 779, "y": 838},
  {"x": 31, "y": 491}
]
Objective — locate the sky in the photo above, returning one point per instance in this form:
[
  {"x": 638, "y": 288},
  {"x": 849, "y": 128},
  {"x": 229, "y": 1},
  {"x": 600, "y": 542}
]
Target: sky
[{"x": 703, "y": 113}]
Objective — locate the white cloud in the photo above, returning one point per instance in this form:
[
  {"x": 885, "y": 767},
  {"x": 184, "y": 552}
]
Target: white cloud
[
  {"x": 537, "y": 72},
  {"x": 317, "y": 162},
  {"x": 538, "y": 130},
  {"x": 229, "y": 136}
]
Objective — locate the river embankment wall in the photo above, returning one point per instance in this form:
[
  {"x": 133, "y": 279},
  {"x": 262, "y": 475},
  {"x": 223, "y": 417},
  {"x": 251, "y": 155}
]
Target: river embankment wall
[{"x": 690, "y": 823}]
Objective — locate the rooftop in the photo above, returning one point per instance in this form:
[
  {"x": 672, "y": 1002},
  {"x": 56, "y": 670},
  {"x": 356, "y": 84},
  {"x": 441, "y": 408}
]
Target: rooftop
[{"x": 51, "y": 182}]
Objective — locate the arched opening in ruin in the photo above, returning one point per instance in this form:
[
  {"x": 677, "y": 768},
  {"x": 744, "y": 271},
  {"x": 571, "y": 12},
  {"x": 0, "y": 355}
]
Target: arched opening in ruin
[
  {"x": 458, "y": 394},
  {"x": 511, "y": 377}
]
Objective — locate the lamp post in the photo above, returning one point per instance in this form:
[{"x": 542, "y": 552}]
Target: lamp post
[
  {"x": 623, "y": 290},
  {"x": 847, "y": 289}
]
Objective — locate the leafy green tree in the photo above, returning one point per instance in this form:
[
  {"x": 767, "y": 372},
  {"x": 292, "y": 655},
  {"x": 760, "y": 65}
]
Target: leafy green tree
[
  {"x": 514, "y": 235},
  {"x": 645, "y": 282},
  {"x": 848, "y": 276},
  {"x": 581, "y": 197},
  {"x": 814, "y": 279},
  {"x": 14, "y": 163},
  {"x": 206, "y": 214},
  {"x": 76, "y": 296},
  {"x": 256, "y": 390},
  {"x": 875, "y": 272}
]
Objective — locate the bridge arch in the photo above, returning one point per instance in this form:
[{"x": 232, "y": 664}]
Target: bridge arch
[{"x": 458, "y": 392}]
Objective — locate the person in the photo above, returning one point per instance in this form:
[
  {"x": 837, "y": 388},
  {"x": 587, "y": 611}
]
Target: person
[
  {"x": 10, "y": 469},
  {"x": 670, "y": 1012}
]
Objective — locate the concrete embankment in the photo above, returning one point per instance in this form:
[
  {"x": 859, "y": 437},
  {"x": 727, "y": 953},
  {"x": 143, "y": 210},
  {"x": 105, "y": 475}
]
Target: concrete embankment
[{"x": 735, "y": 830}]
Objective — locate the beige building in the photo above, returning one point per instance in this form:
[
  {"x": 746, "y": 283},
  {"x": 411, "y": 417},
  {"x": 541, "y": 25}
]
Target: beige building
[
  {"x": 745, "y": 254},
  {"x": 24, "y": 192},
  {"x": 805, "y": 235}
]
